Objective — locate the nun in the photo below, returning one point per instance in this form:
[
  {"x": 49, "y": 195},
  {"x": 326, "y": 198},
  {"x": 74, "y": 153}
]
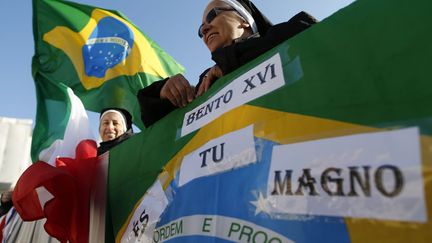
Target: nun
[
  {"x": 235, "y": 32},
  {"x": 115, "y": 126}
]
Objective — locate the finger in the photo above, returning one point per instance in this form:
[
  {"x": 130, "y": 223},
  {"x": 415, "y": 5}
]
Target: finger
[
  {"x": 213, "y": 74},
  {"x": 190, "y": 93},
  {"x": 204, "y": 86},
  {"x": 209, "y": 79},
  {"x": 201, "y": 87},
  {"x": 169, "y": 91},
  {"x": 187, "y": 90},
  {"x": 169, "y": 96},
  {"x": 207, "y": 83},
  {"x": 164, "y": 93},
  {"x": 182, "y": 86},
  {"x": 218, "y": 71},
  {"x": 175, "y": 96}
]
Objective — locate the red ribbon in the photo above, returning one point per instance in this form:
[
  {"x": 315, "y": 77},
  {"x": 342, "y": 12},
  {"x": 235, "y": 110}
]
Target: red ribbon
[{"x": 67, "y": 213}]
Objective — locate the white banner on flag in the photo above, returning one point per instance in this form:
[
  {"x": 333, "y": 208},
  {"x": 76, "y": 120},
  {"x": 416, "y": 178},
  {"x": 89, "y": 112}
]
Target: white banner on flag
[
  {"x": 374, "y": 175},
  {"x": 230, "y": 151},
  {"x": 261, "y": 80},
  {"x": 143, "y": 221}
]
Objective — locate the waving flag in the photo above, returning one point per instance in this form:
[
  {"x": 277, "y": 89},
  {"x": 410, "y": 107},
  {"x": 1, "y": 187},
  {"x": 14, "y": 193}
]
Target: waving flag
[
  {"x": 85, "y": 58},
  {"x": 307, "y": 143},
  {"x": 98, "y": 53},
  {"x": 61, "y": 178}
]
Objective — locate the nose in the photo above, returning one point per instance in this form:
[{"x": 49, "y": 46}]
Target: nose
[
  {"x": 205, "y": 28},
  {"x": 110, "y": 126}
]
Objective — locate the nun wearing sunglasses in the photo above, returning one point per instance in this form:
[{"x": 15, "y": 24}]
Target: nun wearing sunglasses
[{"x": 235, "y": 32}]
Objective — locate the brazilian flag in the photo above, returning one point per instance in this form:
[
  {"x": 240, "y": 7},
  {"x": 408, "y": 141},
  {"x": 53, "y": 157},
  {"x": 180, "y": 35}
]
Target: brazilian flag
[
  {"x": 99, "y": 54},
  {"x": 325, "y": 138}
]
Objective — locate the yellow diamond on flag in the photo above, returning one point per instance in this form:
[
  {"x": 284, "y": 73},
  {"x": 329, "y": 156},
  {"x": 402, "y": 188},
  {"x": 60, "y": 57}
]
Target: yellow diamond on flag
[{"x": 107, "y": 47}]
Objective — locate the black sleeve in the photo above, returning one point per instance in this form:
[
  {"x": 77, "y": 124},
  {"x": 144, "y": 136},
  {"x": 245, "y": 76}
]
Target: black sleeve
[
  {"x": 234, "y": 56},
  {"x": 153, "y": 108}
]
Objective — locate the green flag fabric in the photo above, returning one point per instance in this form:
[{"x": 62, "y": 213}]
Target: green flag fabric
[
  {"x": 103, "y": 57},
  {"x": 325, "y": 138}
]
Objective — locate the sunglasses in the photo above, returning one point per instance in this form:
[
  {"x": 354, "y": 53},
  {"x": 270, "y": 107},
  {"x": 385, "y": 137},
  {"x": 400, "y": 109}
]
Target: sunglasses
[{"x": 212, "y": 14}]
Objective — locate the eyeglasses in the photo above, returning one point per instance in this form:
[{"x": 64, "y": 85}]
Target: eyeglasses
[{"x": 211, "y": 16}]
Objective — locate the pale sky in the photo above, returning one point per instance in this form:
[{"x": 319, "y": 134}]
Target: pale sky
[{"x": 170, "y": 23}]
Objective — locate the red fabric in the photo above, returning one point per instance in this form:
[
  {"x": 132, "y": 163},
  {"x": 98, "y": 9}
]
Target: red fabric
[
  {"x": 70, "y": 182},
  {"x": 2, "y": 225}
]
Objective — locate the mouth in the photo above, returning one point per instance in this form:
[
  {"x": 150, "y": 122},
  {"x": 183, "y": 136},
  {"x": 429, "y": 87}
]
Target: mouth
[
  {"x": 110, "y": 134},
  {"x": 211, "y": 36}
]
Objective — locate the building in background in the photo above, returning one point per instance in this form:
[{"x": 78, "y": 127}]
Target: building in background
[{"x": 15, "y": 142}]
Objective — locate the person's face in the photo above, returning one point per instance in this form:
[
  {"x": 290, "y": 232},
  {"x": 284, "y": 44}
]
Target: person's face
[
  {"x": 224, "y": 28},
  {"x": 111, "y": 126}
]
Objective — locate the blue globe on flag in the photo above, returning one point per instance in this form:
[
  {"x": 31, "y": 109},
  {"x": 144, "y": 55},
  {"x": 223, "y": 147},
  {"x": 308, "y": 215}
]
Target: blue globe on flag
[{"x": 109, "y": 44}]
